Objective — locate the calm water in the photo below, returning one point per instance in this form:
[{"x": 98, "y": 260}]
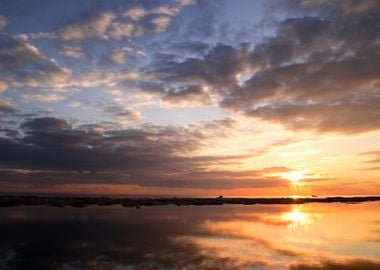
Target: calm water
[{"x": 299, "y": 237}]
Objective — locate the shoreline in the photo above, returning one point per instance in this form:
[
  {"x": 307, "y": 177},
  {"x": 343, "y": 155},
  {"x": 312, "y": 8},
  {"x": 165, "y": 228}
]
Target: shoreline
[{"x": 63, "y": 201}]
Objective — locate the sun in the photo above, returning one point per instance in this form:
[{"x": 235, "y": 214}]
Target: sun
[{"x": 293, "y": 176}]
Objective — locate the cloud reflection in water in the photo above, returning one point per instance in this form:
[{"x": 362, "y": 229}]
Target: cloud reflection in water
[{"x": 299, "y": 237}]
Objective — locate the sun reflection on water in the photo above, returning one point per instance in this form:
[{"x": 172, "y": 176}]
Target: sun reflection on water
[{"x": 297, "y": 218}]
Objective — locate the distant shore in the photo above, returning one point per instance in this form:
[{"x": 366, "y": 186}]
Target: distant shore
[{"x": 63, "y": 201}]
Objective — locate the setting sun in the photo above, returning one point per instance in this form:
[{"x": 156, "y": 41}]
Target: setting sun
[{"x": 293, "y": 176}]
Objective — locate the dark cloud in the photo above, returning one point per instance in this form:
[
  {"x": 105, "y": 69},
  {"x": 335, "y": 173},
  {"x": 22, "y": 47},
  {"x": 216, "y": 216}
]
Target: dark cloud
[
  {"x": 318, "y": 72},
  {"x": 218, "y": 68},
  {"x": 121, "y": 114},
  {"x": 127, "y": 116},
  {"x": 151, "y": 88},
  {"x": 51, "y": 151},
  {"x": 348, "y": 118},
  {"x": 44, "y": 136},
  {"x": 47, "y": 123},
  {"x": 191, "y": 95}
]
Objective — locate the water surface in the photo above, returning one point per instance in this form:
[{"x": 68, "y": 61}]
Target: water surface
[{"x": 298, "y": 237}]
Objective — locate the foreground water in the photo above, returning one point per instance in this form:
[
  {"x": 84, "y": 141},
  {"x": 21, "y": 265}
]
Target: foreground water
[{"x": 299, "y": 237}]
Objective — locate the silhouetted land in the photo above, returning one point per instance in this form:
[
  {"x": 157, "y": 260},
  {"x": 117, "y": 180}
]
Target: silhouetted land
[{"x": 9, "y": 200}]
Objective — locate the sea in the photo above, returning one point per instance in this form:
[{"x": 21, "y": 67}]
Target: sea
[{"x": 314, "y": 236}]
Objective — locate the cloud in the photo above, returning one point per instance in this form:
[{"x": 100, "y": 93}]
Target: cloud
[
  {"x": 43, "y": 97},
  {"x": 90, "y": 154},
  {"x": 218, "y": 68},
  {"x": 316, "y": 74},
  {"x": 113, "y": 24},
  {"x": 22, "y": 64},
  {"x": 46, "y": 123},
  {"x": 6, "y": 106},
  {"x": 192, "y": 95},
  {"x": 347, "y": 118},
  {"x": 47, "y": 132},
  {"x": 147, "y": 90},
  {"x": 315, "y": 71},
  {"x": 312, "y": 2},
  {"x": 127, "y": 116},
  {"x": 147, "y": 19},
  {"x": 374, "y": 154},
  {"x": 375, "y": 159},
  {"x": 165, "y": 10},
  {"x": 79, "y": 104},
  {"x": 332, "y": 265},
  {"x": 121, "y": 114},
  {"x": 93, "y": 26},
  {"x": 121, "y": 30},
  {"x": 97, "y": 77},
  {"x": 135, "y": 13},
  {"x": 186, "y": 2},
  {"x": 73, "y": 51},
  {"x": 3, "y": 86},
  {"x": 38, "y": 35},
  {"x": 119, "y": 56},
  {"x": 352, "y": 6},
  {"x": 3, "y": 21},
  {"x": 161, "y": 23}
]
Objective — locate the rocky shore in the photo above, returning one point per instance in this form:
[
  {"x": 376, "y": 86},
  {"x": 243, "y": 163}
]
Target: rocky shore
[{"x": 10, "y": 200}]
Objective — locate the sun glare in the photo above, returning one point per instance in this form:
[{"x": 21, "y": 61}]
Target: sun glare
[
  {"x": 293, "y": 176},
  {"x": 297, "y": 217}
]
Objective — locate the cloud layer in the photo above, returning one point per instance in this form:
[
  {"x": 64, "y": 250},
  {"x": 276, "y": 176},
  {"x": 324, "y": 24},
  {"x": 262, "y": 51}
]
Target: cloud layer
[
  {"x": 51, "y": 151},
  {"x": 116, "y": 88},
  {"x": 315, "y": 73}
]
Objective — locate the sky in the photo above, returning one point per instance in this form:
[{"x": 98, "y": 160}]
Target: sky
[{"x": 190, "y": 97}]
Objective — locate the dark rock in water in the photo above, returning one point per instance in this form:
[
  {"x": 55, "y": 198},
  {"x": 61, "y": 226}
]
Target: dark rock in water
[
  {"x": 129, "y": 204},
  {"x": 57, "y": 204},
  {"x": 10, "y": 201},
  {"x": 78, "y": 205}
]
